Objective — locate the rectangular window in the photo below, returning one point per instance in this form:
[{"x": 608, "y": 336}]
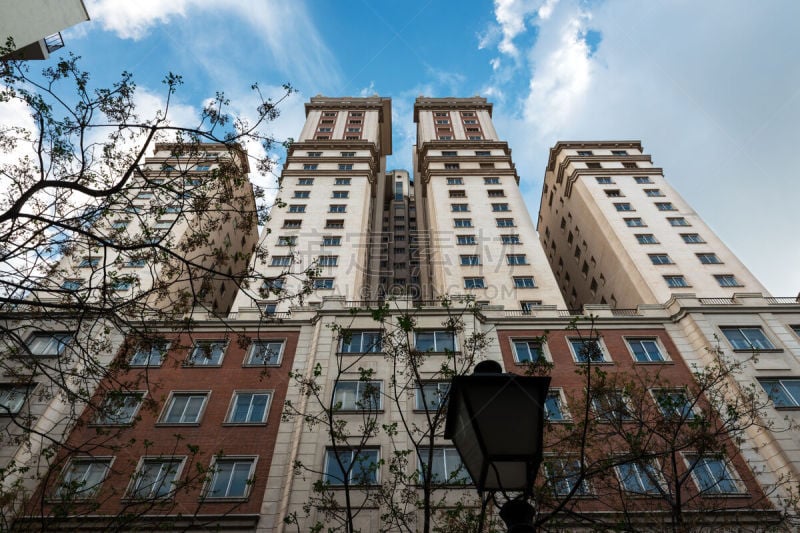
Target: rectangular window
[
  {"x": 709, "y": 259},
  {"x": 564, "y": 476},
  {"x": 184, "y": 408},
  {"x": 782, "y": 392},
  {"x": 92, "y": 262},
  {"x": 496, "y": 194},
  {"x": 491, "y": 181},
  {"x": 463, "y": 223},
  {"x": 470, "y": 260},
  {"x": 505, "y": 222},
  {"x": 334, "y": 224},
  {"x": 524, "y": 282},
  {"x": 287, "y": 240},
  {"x": 265, "y": 353},
  {"x": 297, "y": 208},
  {"x": 345, "y": 166},
  {"x": 328, "y": 260},
  {"x": 358, "y": 467},
  {"x": 358, "y": 395},
  {"x": 310, "y": 166},
  {"x": 641, "y": 477},
  {"x": 281, "y": 260},
  {"x": 623, "y": 206},
  {"x": 451, "y": 166},
  {"x": 474, "y": 283},
  {"x": 435, "y": 341},
  {"x": 302, "y": 194},
  {"x": 675, "y": 282},
  {"x": 314, "y": 154},
  {"x": 322, "y": 283},
  {"x": 82, "y": 478},
  {"x": 48, "y": 344},
  {"x": 510, "y": 239},
  {"x": 459, "y": 208},
  {"x": 337, "y": 208},
  {"x": 149, "y": 355},
  {"x": 155, "y": 478},
  {"x": 432, "y": 396},
  {"x": 747, "y": 338},
  {"x": 457, "y": 194},
  {"x": 584, "y": 153},
  {"x": 292, "y": 224},
  {"x": 500, "y": 207},
  {"x": 12, "y": 397},
  {"x": 554, "y": 407},
  {"x": 645, "y": 350},
  {"x": 727, "y": 280},
  {"x": 527, "y": 351},
  {"x": 585, "y": 350},
  {"x": 642, "y": 180},
  {"x": 119, "y": 408},
  {"x": 516, "y": 259},
  {"x": 678, "y": 221},
  {"x": 674, "y": 403},
  {"x": 634, "y": 222},
  {"x": 342, "y": 181},
  {"x": 348, "y": 154},
  {"x": 692, "y": 238},
  {"x": 619, "y": 152},
  {"x": 331, "y": 241},
  {"x": 207, "y": 353},
  {"x": 361, "y": 342},
  {"x": 646, "y": 238},
  {"x": 231, "y": 478},
  {"x": 713, "y": 475},
  {"x": 455, "y": 181},
  {"x": 652, "y": 193},
  {"x": 341, "y": 194},
  {"x": 629, "y": 165},
  {"x": 249, "y": 408},
  {"x": 665, "y": 206},
  {"x": 449, "y": 153},
  {"x": 613, "y": 193},
  {"x": 603, "y": 180},
  {"x": 305, "y": 181},
  {"x": 465, "y": 239},
  {"x": 446, "y": 467},
  {"x": 529, "y": 306}
]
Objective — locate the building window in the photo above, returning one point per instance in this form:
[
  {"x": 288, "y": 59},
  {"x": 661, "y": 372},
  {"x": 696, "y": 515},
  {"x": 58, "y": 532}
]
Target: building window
[
  {"x": 474, "y": 283},
  {"x": 491, "y": 181},
  {"x": 613, "y": 193},
  {"x": 334, "y": 224},
  {"x": 231, "y": 479},
  {"x": 554, "y": 409},
  {"x": 155, "y": 478},
  {"x": 89, "y": 262},
  {"x": 470, "y": 260},
  {"x": 331, "y": 241},
  {"x": 665, "y": 206},
  {"x": 435, "y": 341},
  {"x": 451, "y": 166},
  {"x": 149, "y": 355},
  {"x": 249, "y": 408},
  {"x": 310, "y": 166},
  {"x": 184, "y": 408},
  {"x": 449, "y": 153},
  {"x": 207, "y": 353},
  {"x": 82, "y": 478},
  {"x": 678, "y": 221},
  {"x": 337, "y": 208},
  {"x": 281, "y": 260},
  {"x": 459, "y": 208},
  {"x": 527, "y": 351},
  {"x": 358, "y": 395},
  {"x": 623, "y": 206},
  {"x": 297, "y": 208},
  {"x": 709, "y": 259},
  {"x": 510, "y": 239},
  {"x": 314, "y": 154},
  {"x": 358, "y": 467},
  {"x": 619, "y": 152},
  {"x": 564, "y": 476},
  {"x": 652, "y": 193},
  {"x": 713, "y": 475},
  {"x": 747, "y": 338},
  {"x": 12, "y": 397},
  {"x": 445, "y": 466},
  {"x": 322, "y": 283},
  {"x": 328, "y": 260},
  {"x": 674, "y": 403},
  {"x": 302, "y": 194},
  {"x": 361, "y": 342},
  {"x": 646, "y": 238},
  {"x": 455, "y": 181},
  {"x": 584, "y": 153},
  {"x": 675, "y": 281},
  {"x": 692, "y": 238},
  {"x": 287, "y": 240},
  {"x": 496, "y": 193},
  {"x": 529, "y": 306},
  {"x": 505, "y": 222},
  {"x": 463, "y": 223},
  {"x": 612, "y": 406},
  {"x": 265, "y": 353},
  {"x": 457, "y": 194},
  {"x": 524, "y": 282},
  {"x": 119, "y": 408},
  {"x": 516, "y": 259},
  {"x": 603, "y": 180},
  {"x": 305, "y": 181},
  {"x": 634, "y": 222},
  {"x": 585, "y": 350},
  {"x": 500, "y": 207},
  {"x": 341, "y": 181},
  {"x": 345, "y": 166},
  {"x": 292, "y": 224},
  {"x": 641, "y": 477},
  {"x": 782, "y": 392},
  {"x": 48, "y": 344},
  {"x": 645, "y": 350},
  {"x": 432, "y": 395},
  {"x": 727, "y": 280},
  {"x": 341, "y": 194},
  {"x": 465, "y": 239}
]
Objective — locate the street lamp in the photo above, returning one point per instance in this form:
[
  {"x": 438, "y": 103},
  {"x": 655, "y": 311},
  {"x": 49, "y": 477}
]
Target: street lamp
[{"x": 496, "y": 422}]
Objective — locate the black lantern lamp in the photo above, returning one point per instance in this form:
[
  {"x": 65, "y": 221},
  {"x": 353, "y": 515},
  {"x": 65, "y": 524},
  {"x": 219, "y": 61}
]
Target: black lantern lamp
[{"x": 496, "y": 422}]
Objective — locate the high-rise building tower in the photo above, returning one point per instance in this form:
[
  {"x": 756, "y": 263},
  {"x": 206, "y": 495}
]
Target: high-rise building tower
[
  {"x": 480, "y": 238},
  {"x": 616, "y": 232}
]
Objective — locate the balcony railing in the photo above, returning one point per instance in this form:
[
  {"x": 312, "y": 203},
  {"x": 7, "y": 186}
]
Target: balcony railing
[
  {"x": 780, "y": 300},
  {"x": 718, "y": 301}
]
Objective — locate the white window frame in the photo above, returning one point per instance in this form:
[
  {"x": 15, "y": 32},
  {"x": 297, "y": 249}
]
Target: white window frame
[
  {"x": 553, "y": 460},
  {"x": 108, "y": 419},
  {"x": 133, "y": 492},
  {"x": 13, "y": 396},
  {"x": 60, "y": 338},
  {"x": 168, "y": 406},
  {"x": 255, "y": 347},
  {"x": 456, "y": 473},
  {"x": 558, "y": 394},
  {"x": 89, "y": 492},
  {"x": 192, "y": 359},
  {"x": 647, "y": 472},
  {"x": 436, "y": 334},
  {"x": 235, "y": 459},
  {"x": 732, "y": 475},
  {"x": 372, "y": 347},
  {"x": 528, "y": 342},
  {"x": 233, "y": 404},
  {"x": 670, "y": 409},
  {"x": 162, "y": 347},
  {"x": 655, "y": 340},
  {"x": 741, "y": 332},
  {"x": 327, "y": 477},
  {"x": 619, "y": 416},
  {"x": 600, "y": 344},
  {"x": 784, "y": 390},
  {"x": 361, "y": 388},
  {"x": 440, "y": 395}
]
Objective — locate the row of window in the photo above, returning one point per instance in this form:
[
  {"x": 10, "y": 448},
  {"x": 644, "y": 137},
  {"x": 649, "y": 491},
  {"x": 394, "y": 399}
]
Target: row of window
[
  {"x": 329, "y": 223},
  {"x": 456, "y": 153},
  {"x": 637, "y": 222},
  {"x": 478, "y": 282},
  {"x": 500, "y": 222},
  {"x": 463, "y": 208},
  {"x": 319, "y": 154},
  {"x": 460, "y": 193},
  {"x": 661, "y": 206}
]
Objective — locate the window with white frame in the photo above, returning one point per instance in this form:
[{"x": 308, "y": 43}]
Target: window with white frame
[
  {"x": 747, "y": 338},
  {"x": 470, "y": 260},
  {"x": 155, "y": 478},
  {"x": 585, "y": 350},
  {"x": 358, "y": 467},
  {"x": 646, "y": 238},
  {"x": 612, "y": 406},
  {"x": 231, "y": 477},
  {"x": 783, "y": 392},
  {"x": 249, "y": 407},
  {"x": 322, "y": 283},
  {"x": 206, "y": 353},
  {"x": 444, "y": 465},
  {"x": 361, "y": 342},
  {"x": 265, "y": 353},
  {"x": 431, "y": 395},
  {"x": 184, "y": 408},
  {"x": 281, "y": 260},
  {"x": 554, "y": 409},
  {"x": 516, "y": 259},
  {"x": 527, "y": 351},
  {"x": 524, "y": 282},
  {"x": 435, "y": 341},
  {"x": 328, "y": 260},
  {"x": 708, "y": 258},
  {"x": 713, "y": 475},
  {"x": 82, "y": 478},
  {"x": 640, "y": 477},
  {"x": 149, "y": 354},
  {"x": 645, "y": 349},
  {"x": 727, "y": 280},
  {"x": 12, "y": 398},
  {"x": 358, "y": 395},
  {"x": 119, "y": 408},
  {"x": 564, "y": 476},
  {"x": 674, "y": 403},
  {"x": 462, "y": 223},
  {"x": 48, "y": 344},
  {"x": 660, "y": 259},
  {"x": 474, "y": 283},
  {"x": 675, "y": 281},
  {"x": 465, "y": 239}
]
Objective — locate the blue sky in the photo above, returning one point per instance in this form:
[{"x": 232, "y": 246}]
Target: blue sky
[{"x": 712, "y": 89}]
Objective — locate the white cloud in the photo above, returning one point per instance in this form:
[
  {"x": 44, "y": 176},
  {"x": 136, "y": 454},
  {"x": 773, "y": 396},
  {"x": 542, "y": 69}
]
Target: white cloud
[
  {"x": 133, "y": 20},
  {"x": 511, "y": 16}
]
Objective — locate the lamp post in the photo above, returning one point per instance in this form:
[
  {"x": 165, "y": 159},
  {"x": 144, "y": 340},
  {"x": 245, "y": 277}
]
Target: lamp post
[{"x": 496, "y": 422}]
